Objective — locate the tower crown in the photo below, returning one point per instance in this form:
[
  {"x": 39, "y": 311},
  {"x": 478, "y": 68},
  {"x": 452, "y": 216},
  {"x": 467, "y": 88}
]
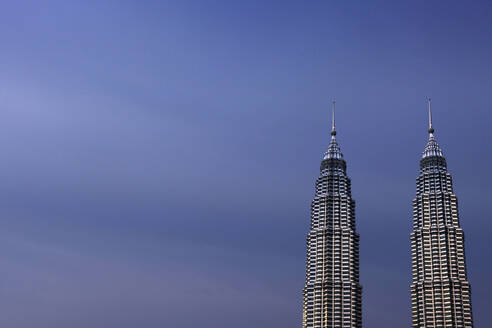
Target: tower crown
[
  {"x": 432, "y": 147},
  {"x": 333, "y": 150}
]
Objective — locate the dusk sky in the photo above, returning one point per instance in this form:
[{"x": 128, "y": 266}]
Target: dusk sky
[{"x": 158, "y": 158}]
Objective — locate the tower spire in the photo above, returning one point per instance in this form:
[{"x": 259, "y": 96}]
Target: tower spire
[
  {"x": 431, "y": 129},
  {"x": 333, "y": 148},
  {"x": 432, "y": 148},
  {"x": 333, "y": 131}
]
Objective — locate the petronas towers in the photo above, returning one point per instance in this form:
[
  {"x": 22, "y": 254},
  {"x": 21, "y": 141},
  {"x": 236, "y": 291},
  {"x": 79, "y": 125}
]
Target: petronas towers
[
  {"x": 440, "y": 291},
  {"x": 332, "y": 294}
]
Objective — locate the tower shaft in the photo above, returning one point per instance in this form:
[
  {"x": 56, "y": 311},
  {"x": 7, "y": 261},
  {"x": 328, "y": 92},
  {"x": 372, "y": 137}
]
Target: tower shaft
[{"x": 441, "y": 293}]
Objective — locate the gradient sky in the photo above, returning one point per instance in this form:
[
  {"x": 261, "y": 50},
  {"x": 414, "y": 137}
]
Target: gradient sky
[{"x": 159, "y": 158}]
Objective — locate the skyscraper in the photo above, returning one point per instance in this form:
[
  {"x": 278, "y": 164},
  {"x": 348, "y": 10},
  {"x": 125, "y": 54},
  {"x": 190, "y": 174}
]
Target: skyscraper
[
  {"x": 332, "y": 293},
  {"x": 440, "y": 289}
]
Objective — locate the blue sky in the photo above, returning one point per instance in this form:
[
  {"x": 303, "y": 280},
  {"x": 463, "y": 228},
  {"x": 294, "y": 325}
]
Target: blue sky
[{"x": 159, "y": 158}]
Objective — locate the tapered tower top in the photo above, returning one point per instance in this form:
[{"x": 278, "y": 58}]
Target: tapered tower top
[
  {"x": 333, "y": 149},
  {"x": 432, "y": 148}
]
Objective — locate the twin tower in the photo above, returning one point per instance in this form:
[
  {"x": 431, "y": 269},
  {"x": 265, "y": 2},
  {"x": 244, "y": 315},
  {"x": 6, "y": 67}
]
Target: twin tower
[{"x": 440, "y": 291}]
